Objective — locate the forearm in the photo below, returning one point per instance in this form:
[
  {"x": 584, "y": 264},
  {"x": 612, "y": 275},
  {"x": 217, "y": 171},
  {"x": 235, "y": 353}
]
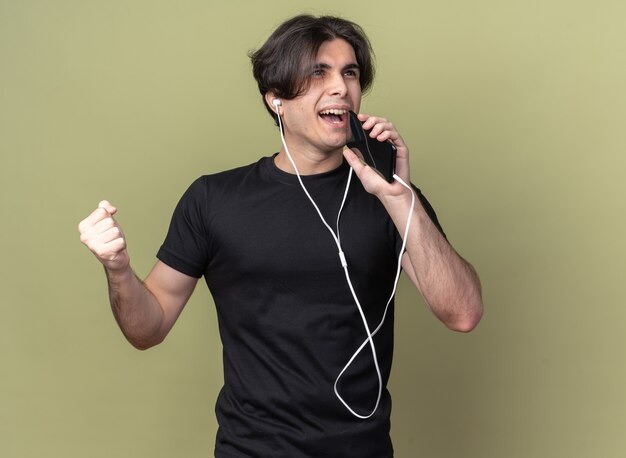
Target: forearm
[
  {"x": 136, "y": 310},
  {"x": 144, "y": 314},
  {"x": 448, "y": 283}
]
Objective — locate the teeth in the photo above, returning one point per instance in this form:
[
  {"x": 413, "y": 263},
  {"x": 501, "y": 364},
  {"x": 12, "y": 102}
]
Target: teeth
[{"x": 334, "y": 111}]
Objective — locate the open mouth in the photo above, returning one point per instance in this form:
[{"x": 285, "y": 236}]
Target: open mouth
[{"x": 334, "y": 116}]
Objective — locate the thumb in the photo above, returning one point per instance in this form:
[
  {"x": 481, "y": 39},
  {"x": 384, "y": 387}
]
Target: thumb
[
  {"x": 107, "y": 206},
  {"x": 354, "y": 160}
]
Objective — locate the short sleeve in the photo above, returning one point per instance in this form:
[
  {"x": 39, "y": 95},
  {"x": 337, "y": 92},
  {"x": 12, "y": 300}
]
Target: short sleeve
[{"x": 186, "y": 245}]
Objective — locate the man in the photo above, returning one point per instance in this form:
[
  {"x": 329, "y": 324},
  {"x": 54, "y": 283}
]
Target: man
[{"x": 288, "y": 319}]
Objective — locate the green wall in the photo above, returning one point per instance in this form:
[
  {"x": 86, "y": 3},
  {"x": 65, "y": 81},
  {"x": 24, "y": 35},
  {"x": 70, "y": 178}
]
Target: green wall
[{"x": 515, "y": 114}]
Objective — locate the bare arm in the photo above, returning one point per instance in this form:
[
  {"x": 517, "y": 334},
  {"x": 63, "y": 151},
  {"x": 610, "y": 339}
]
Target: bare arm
[
  {"x": 448, "y": 283},
  {"x": 145, "y": 311}
]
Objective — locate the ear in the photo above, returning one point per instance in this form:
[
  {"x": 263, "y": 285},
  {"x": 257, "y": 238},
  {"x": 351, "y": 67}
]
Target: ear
[{"x": 270, "y": 97}]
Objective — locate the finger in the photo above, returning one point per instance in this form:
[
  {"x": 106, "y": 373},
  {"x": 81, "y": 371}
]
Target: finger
[
  {"x": 360, "y": 167},
  {"x": 100, "y": 234},
  {"x": 110, "y": 250},
  {"x": 381, "y": 127},
  {"x": 104, "y": 210},
  {"x": 372, "y": 181},
  {"x": 103, "y": 225},
  {"x": 388, "y": 135},
  {"x": 107, "y": 206},
  {"x": 97, "y": 215},
  {"x": 373, "y": 121},
  {"x": 106, "y": 233},
  {"x": 370, "y": 121},
  {"x": 116, "y": 247},
  {"x": 103, "y": 234},
  {"x": 110, "y": 235},
  {"x": 354, "y": 160}
]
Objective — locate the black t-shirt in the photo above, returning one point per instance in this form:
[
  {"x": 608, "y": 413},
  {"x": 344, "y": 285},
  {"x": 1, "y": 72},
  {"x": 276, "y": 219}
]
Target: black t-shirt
[{"x": 287, "y": 319}]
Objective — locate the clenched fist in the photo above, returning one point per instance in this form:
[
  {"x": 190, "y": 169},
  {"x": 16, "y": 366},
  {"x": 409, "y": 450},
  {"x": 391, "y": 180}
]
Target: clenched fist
[{"x": 103, "y": 236}]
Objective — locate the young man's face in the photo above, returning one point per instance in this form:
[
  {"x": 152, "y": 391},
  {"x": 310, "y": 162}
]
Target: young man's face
[{"x": 317, "y": 121}]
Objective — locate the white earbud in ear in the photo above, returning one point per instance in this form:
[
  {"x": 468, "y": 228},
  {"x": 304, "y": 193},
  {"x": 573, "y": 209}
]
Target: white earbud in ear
[{"x": 276, "y": 103}]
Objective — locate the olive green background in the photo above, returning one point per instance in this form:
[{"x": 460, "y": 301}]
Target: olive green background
[{"x": 515, "y": 114}]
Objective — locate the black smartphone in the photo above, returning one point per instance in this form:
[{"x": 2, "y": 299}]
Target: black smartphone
[{"x": 379, "y": 155}]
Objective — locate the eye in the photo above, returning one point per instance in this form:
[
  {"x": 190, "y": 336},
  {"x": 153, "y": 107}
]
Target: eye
[
  {"x": 318, "y": 72},
  {"x": 351, "y": 73}
]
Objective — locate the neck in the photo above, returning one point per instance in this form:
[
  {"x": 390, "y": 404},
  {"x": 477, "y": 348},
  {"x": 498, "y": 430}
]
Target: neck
[{"x": 308, "y": 163}]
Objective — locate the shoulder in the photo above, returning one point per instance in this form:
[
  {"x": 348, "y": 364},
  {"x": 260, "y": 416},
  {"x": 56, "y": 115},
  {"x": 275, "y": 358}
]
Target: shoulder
[
  {"x": 213, "y": 191},
  {"x": 224, "y": 181},
  {"x": 232, "y": 178}
]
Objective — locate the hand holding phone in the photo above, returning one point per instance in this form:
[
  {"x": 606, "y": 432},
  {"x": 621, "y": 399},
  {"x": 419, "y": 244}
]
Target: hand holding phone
[{"x": 381, "y": 156}]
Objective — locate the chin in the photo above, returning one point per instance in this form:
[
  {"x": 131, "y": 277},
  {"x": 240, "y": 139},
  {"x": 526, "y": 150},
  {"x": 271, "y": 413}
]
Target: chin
[{"x": 335, "y": 147}]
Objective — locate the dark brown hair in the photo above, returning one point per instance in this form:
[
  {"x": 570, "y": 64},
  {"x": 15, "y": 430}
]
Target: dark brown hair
[{"x": 284, "y": 63}]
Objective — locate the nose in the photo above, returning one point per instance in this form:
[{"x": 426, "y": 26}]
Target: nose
[{"x": 336, "y": 85}]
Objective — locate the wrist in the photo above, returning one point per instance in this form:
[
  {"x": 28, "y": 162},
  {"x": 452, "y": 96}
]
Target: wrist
[
  {"x": 119, "y": 274},
  {"x": 399, "y": 199}
]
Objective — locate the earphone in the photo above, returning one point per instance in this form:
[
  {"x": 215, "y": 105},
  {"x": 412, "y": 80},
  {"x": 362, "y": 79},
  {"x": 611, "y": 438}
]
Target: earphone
[{"x": 370, "y": 335}]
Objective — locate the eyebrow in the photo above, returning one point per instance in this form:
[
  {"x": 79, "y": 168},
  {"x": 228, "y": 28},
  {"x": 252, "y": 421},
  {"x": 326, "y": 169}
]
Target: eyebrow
[{"x": 351, "y": 66}]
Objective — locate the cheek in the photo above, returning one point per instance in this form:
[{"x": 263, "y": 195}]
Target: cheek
[
  {"x": 297, "y": 118},
  {"x": 355, "y": 96},
  {"x": 356, "y": 103}
]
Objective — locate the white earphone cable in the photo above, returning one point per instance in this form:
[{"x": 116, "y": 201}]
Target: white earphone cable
[
  {"x": 344, "y": 264},
  {"x": 382, "y": 320}
]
